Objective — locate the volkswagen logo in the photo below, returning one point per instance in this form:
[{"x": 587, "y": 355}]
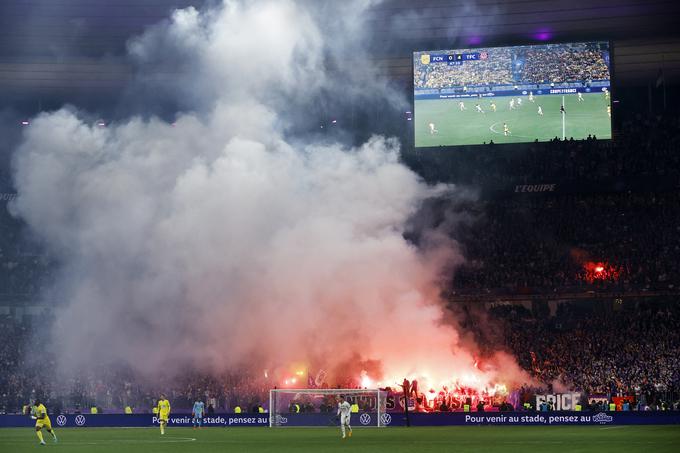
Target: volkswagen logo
[
  {"x": 365, "y": 419},
  {"x": 386, "y": 419},
  {"x": 61, "y": 420},
  {"x": 80, "y": 420}
]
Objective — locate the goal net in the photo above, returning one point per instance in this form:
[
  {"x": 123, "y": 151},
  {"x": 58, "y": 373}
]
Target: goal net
[{"x": 319, "y": 407}]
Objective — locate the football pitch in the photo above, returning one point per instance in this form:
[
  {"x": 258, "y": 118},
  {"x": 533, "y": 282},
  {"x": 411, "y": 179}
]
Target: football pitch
[
  {"x": 470, "y": 127},
  {"x": 596, "y": 439}
]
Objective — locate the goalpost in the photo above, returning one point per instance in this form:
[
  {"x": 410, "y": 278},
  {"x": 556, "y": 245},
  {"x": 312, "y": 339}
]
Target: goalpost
[{"x": 319, "y": 407}]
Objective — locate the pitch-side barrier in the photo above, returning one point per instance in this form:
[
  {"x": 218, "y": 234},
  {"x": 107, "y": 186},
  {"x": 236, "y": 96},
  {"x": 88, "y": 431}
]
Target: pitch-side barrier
[{"x": 361, "y": 419}]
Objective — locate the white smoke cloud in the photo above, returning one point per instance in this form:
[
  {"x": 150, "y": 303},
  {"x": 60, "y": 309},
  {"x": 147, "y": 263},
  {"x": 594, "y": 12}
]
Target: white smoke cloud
[
  {"x": 219, "y": 241},
  {"x": 239, "y": 52}
]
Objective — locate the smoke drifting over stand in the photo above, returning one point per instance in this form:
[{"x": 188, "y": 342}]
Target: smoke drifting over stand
[{"x": 221, "y": 241}]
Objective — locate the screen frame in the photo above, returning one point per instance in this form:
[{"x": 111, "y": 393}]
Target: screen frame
[{"x": 436, "y": 48}]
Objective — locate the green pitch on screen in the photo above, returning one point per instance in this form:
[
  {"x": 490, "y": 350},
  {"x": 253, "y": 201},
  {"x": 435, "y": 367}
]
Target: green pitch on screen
[
  {"x": 469, "y": 127},
  {"x": 586, "y": 439}
]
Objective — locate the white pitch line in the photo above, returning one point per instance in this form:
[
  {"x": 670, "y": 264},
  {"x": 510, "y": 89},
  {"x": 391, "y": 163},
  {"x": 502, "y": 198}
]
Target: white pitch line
[{"x": 175, "y": 440}]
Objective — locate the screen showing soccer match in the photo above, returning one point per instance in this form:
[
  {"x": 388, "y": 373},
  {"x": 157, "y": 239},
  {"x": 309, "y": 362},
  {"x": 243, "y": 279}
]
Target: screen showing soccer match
[{"x": 512, "y": 94}]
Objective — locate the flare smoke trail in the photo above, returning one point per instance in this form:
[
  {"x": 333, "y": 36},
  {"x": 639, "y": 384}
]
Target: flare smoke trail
[{"x": 221, "y": 240}]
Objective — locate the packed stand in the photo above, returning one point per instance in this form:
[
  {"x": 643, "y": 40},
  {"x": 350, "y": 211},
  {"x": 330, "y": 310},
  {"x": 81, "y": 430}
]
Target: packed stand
[
  {"x": 562, "y": 243},
  {"x": 558, "y": 64},
  {"x": 613, "y": 348},
  {"x": 603, "y": 348}
]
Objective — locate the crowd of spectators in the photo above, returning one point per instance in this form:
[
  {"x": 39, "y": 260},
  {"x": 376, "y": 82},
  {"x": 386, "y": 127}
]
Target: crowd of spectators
[
  {"x": 625, "y": 348},
  {"x": 29, "y": 371},
  {"x": 621, "y": 241},
  {"x": 613, "y": 347},
  {"x": 563, "y": 243},
  {"x": 21, "y": 376},
  {"x": 558, "y": 64},
  {"x": 612, "y": 222}
]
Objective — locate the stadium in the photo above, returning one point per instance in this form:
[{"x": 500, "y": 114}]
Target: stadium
[{"x": 320, "y": 226}]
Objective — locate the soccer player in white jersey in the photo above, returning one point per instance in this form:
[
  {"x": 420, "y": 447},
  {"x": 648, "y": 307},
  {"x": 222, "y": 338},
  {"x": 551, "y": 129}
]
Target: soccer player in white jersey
[
  {"x": 580, "y": 96},
  {"x": 461, "y": 106},
  {"x": 531, "y": 96},
  {"x": 344, "y": 411},
  {"x": 506, "y": 129},
  {"x": 432, "y": 129},
  {"x": 519, "y": 102},
  {"x": 479, "y": 108},
  {"x": 512, "y": 104},
  {"x": 540, "y": 110}
]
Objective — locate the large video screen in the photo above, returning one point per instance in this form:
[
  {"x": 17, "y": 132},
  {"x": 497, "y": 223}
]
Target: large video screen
[{"x": 512, "y": 94}]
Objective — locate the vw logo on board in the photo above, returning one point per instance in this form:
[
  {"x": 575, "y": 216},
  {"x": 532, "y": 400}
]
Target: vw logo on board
[{"x": 365, "y": 419}]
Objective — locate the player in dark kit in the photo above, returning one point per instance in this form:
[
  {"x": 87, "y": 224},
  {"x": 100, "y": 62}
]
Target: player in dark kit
[{"x": 562, "y": 111}]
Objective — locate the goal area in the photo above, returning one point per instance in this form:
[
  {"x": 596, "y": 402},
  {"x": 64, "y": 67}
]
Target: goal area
[{"x": 319, "y": 407}]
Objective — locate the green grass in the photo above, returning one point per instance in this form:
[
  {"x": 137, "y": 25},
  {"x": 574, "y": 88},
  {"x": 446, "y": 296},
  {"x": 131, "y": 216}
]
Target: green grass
[
  {"x": 471, "y": 127},
  {"x": 596, "y": 439}
]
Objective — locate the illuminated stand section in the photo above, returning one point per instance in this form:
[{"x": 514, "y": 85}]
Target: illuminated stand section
[{"x": 319, "y": 407}]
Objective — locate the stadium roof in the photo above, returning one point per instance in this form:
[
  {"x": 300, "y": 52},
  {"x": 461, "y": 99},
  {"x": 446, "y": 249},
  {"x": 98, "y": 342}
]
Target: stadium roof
[{"x": 75, "y": 46}]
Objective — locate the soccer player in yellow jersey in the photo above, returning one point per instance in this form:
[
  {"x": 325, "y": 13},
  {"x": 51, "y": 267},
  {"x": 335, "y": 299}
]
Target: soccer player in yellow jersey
[
  {"x": 163, "y": 412},
  {"x": 42, "y": 420}
]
